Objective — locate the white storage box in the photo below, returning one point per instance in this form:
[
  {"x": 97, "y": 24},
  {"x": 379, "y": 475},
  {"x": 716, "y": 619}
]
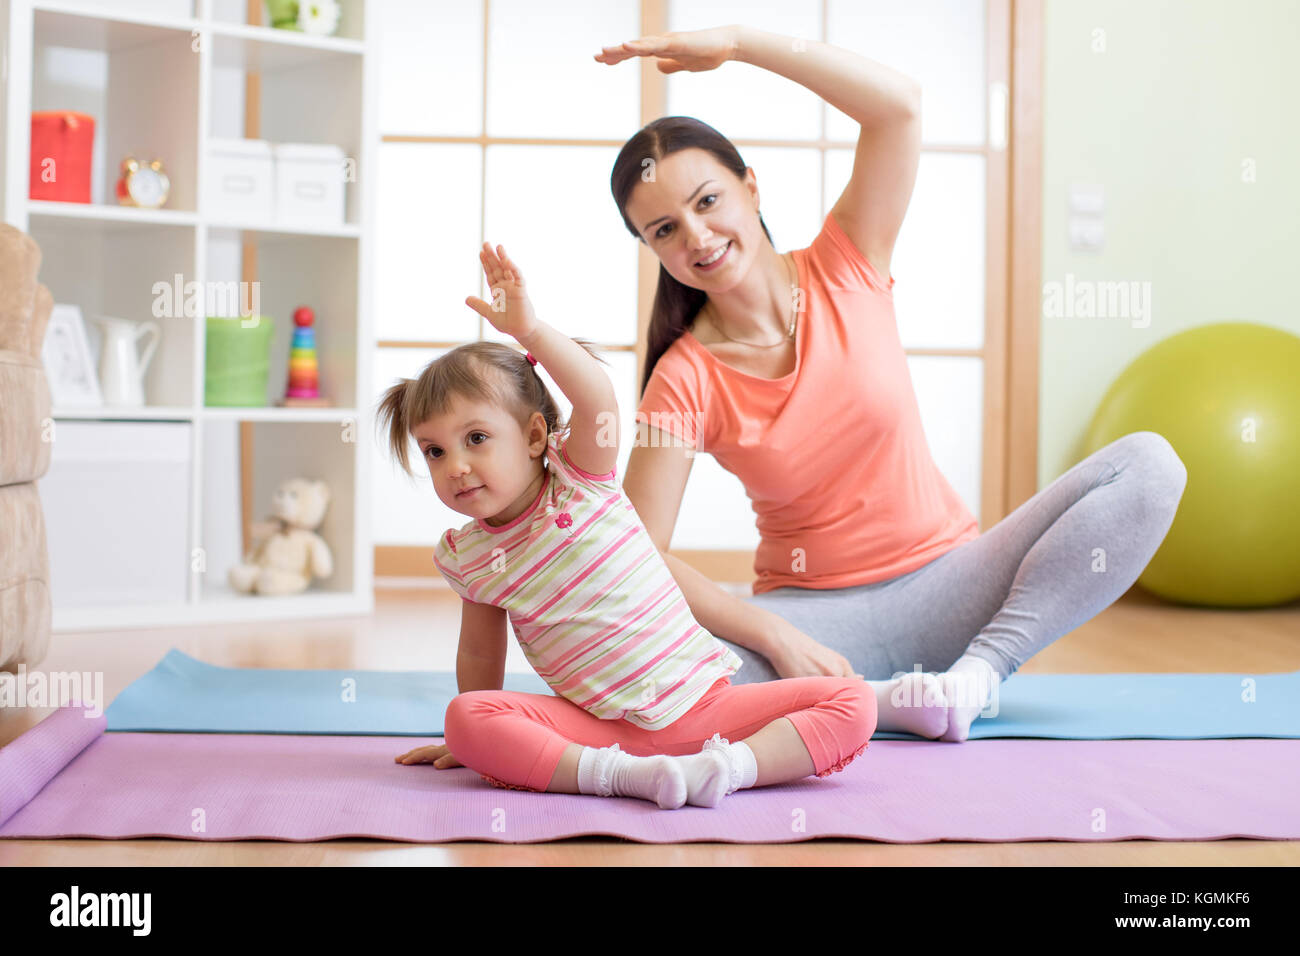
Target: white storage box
[
  {"x": 116, "y": 503},
  {"x": 308, "y": 184},
  {"x": 239, "y": 180}
]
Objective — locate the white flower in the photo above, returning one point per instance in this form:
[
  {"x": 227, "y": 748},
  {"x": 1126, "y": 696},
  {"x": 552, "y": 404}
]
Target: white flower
[{"x": 318, "y": 16}]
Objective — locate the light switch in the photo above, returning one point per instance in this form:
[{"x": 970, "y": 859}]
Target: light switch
[
  {"x": 1087, "y": 202},
  {"x": 1087, "y": 198},
  {"x": 1086, "y": 234}
]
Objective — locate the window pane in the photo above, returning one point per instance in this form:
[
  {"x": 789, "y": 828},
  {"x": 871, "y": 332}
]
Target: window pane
[
  {"x": 938, "y": 260},
  {"x": 543, "y": 79},
  {"x": 430, "y": 58},
  {"x": 427, "y": 240},
  {"x": 789, "y": 192},
  {"x": 550, "y": 206},
  {"x": 715, "y": 513},
  {"x": 739, "y": 100},
  {"x": 950, "y": 395},
  {"x": 939, "y": 43},
  {"x": 404, "y": 509},
  {"x": 622, "y": 371}
]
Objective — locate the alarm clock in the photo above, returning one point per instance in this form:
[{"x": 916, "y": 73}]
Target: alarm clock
[{"x": 141, "y": 185}]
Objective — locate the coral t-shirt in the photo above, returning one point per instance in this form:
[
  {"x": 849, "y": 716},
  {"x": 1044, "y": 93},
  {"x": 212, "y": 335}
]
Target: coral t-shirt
[{"x": 833, "y": 456}]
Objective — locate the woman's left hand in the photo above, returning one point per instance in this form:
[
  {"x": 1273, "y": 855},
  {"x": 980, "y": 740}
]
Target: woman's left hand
[
  {"x": 696, "y": 51},
  {"x": 794, "y": 654}
]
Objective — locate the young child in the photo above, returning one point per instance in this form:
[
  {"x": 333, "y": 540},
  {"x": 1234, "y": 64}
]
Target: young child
[{"x": 645, "y": 705}]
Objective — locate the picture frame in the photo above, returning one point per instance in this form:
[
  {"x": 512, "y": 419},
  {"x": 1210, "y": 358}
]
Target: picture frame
[{"x": 69, "y": 364}]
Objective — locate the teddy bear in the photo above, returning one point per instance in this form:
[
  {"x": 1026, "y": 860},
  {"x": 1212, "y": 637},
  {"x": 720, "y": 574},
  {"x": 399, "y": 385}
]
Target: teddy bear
[{"x": 287, "y": 553}]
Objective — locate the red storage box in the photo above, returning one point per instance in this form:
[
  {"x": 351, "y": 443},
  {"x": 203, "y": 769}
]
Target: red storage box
[{"x": 62, "y": 144}]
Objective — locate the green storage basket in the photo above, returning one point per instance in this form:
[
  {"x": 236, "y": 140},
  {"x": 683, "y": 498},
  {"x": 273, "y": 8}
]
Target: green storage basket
[{"x": 238, "y": 361}]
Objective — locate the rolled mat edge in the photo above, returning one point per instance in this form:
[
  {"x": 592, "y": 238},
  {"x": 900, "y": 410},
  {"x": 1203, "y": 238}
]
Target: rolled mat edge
[{"x": 36, "y": 757}]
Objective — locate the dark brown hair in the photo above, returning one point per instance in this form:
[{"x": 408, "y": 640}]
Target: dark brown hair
[
  {"x": 675, "y": 305},
  {"x": 480, "y": 371}
]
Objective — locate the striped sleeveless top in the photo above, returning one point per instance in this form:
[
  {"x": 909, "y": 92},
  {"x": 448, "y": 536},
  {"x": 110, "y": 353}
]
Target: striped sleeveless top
[{"x": 591, "y": 601}]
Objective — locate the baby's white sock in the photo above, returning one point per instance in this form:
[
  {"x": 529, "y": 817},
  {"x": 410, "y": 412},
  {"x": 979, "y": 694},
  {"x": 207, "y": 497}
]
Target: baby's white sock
[
  {"x": 913, "y": 703},
  {"x": 967, "y": 685},
  {"x": 709, "y": 778},
  {"x": 608, "y": 771}
]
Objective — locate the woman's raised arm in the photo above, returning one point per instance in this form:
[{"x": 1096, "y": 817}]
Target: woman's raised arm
[{"x": 885, "y": 103}]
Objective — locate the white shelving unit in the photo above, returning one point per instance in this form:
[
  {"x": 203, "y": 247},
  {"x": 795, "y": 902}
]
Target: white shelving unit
[{"x": 162, "y": 78}]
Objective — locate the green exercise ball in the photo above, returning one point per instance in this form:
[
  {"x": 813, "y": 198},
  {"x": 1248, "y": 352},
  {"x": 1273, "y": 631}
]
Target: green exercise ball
[{"x": 1227, "y": 398}]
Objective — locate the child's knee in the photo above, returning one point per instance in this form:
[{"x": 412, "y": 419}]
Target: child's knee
[
  {"x": 461, "y": 713},
  {"x": 867, "y": 707},
  {"x": 859, "y": 706}
]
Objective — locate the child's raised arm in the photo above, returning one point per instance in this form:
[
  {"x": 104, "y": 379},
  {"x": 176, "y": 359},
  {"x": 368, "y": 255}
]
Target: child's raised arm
[{"x": 594, "y": 439}]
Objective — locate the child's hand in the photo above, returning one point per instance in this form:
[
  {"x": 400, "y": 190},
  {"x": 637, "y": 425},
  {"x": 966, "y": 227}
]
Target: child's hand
[
  {"x": 510, "y": 310},
  {"x": 438, "y": 755}
]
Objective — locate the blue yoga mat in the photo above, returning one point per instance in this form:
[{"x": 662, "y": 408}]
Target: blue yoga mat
[{"x": 186, "y": 695}]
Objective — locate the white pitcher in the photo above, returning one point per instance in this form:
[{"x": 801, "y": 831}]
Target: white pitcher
[{"x": 121, "y": 367}]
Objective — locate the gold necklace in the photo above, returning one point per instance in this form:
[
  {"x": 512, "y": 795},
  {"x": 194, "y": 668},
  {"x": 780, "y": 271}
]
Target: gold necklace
[{"x": 794, "y": 320}]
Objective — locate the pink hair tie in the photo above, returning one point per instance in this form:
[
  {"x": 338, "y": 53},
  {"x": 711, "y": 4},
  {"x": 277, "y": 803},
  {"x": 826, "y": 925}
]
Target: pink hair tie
[{"x": 531, "y": 360}]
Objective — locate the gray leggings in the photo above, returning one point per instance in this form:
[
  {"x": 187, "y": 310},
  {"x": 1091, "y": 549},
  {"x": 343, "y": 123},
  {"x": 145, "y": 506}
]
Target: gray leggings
[{"x": 1055, "y": 562}]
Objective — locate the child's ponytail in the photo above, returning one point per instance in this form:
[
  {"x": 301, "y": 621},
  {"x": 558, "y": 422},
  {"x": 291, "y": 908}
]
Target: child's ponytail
[
  {"x": 393, "y": 417},
  {"x": 480, "y": 371}
]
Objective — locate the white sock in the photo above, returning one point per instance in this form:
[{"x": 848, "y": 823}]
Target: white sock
[
  {"x": 912, "y": 703},
  {"x": 742, "y": 767},
  {"x": 708, "y": 777},
  {"x": 967, "y": 685},
  {"x": 608, "y": 771}
]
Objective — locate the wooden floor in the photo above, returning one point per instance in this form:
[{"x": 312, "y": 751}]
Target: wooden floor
[{"x": 417, "y": 629}]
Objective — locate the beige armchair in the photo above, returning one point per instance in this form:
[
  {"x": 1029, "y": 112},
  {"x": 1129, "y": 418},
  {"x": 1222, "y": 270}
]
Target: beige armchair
[{"x": 25, "y": 409}]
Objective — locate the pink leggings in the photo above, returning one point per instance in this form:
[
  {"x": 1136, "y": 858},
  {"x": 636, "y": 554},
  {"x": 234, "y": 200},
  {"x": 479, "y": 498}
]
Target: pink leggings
[{"x": 515, "y": 740}]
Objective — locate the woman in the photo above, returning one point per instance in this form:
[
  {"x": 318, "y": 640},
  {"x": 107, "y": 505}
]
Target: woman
[{"x": 787, "y": 367}]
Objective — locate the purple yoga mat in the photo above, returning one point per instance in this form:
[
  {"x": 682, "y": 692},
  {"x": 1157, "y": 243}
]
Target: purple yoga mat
[{"x": 67, "y": 778}]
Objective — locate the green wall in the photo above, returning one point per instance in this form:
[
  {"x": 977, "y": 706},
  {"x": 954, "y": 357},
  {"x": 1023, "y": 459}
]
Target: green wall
[{"x": 1165, "y": 120}]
